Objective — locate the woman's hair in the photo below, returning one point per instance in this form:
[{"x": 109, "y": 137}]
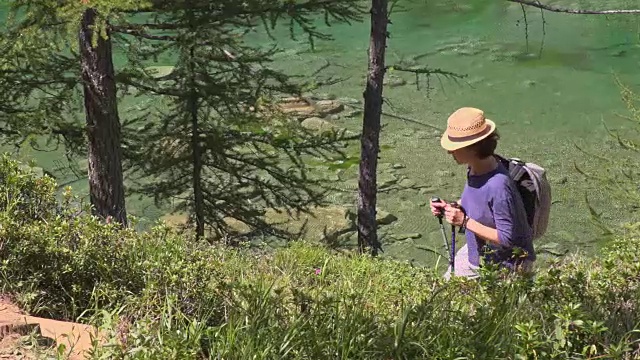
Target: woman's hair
[{"x": 487, "y": 146}]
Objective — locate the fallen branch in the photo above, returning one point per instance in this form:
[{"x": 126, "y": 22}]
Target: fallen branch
[
  {"x": 423, "y": 70},
  {"x": 427, "y": 71},
  {"x": 403, "y": 118},
  {"x": 542, "y": 6}
]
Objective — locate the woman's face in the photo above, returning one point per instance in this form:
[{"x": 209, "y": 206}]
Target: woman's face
[{"x": 463, "y": 155}]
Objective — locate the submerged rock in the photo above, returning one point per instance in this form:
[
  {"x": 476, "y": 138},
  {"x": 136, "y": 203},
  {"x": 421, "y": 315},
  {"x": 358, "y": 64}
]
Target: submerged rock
[
  {"x": 386, "y": 178},
  {"x": 348, "y": 237},
  {"x": 332, "y": 177},
  {"x": 323, "y": 96},
  {"x": 298, "y": 108},
  {"x": 407, "y": 183},
  {"x": 385, "y": 218},
  {"x": 349, "y": 101},
  {"x": 302, "y": 108},
  {"x": 159, "y": 71},
  {"x": 329, "y": 107},
  {"x": 406, "y": 236},
  {"x": 352, "y": 113},
  {"x": 394, "y": 81},
  {"x": 427, "y": 190},
  {"x": 317, "y": 124},
  {"x": 444, "y": 174}
]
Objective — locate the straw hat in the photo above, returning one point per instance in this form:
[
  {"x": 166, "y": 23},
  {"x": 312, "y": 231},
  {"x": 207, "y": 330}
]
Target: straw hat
[{"x": 466, "y": 126}]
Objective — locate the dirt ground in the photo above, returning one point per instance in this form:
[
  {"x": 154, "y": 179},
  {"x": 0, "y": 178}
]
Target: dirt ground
[{"x": 27, "y": 337}]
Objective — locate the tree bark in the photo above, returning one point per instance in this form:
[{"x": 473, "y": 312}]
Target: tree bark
[
  {"x": 103, "y": 124},
  {"x": 370, "y": 144},
  {"x": 198, "y": 196}
]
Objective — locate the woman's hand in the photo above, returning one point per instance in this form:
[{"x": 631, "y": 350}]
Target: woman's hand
[
  {"x": 453, "y": 215},
  {"x": 436, "y": 207}
]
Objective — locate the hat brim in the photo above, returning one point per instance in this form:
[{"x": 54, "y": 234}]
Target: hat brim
[{"x": 449, "y": 145}]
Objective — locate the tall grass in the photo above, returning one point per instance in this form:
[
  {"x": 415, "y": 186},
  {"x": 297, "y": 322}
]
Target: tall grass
[
  {"x": 159, "y": 295},
  {"x": 360, "y": 308}
]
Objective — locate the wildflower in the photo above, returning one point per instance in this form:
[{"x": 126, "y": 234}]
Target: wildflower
[{"x": 318, "y": 271}]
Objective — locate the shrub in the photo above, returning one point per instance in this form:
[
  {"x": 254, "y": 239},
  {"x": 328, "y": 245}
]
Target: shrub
[{"x": 60, "y": 262}]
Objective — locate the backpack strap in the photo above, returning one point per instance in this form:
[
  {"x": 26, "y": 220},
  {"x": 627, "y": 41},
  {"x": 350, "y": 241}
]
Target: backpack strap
[
  {"x": 536, "y": 174},
  {"x": 515, "y": 166},
  {"x": 516, "y": 169},
  {"x": 521, "y": 175}
]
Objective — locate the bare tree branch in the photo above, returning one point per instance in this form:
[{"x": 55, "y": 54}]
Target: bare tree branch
[
  {"x": 426, "y": 71},
  {"x": 542, "y": 6},
  {"x": 544, "y": 29},
  {"x": 526, "y": 26}
]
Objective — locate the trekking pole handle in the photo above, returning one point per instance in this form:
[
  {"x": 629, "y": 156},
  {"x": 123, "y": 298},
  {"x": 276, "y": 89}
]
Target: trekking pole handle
[
  {"x": 437, "y": 199},
  {"x": 453, "y": 204},
  {"x": 458, "y": 206}
]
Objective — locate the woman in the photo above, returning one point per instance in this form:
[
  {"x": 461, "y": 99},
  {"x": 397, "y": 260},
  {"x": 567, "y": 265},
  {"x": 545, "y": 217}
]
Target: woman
[{"x": 491, "y": 209}]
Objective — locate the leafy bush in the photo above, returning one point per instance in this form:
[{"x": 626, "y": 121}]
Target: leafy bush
[
  {"x": 59, "y": 262},
  {"x": 157, "y": 295}
]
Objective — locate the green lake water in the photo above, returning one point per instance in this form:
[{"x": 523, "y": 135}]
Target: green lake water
[{"x": 543, "y": 102}]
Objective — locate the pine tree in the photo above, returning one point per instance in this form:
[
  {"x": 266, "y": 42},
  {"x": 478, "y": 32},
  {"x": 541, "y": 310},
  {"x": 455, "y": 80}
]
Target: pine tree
[
  {"x": 106, "y": 187},
  {"x": 219, "y": 143},
  {"x": 370, "y": 142},
  {"x": 49, "y": 52},
  {"x": 205, "y": 105}
]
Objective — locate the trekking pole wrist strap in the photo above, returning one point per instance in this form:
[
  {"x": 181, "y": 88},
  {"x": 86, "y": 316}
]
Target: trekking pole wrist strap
[{"x": 463, "y": 227}]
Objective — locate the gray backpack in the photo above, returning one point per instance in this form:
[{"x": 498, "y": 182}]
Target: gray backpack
[{"x": 534, "y": 189}]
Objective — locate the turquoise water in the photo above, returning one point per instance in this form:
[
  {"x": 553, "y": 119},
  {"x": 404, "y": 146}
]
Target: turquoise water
[{"x": 543, "y": 101}]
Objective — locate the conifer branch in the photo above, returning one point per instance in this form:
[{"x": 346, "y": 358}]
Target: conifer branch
[
  {"x": 342, "y": 9},
  {"x": 142, "y": 34},
  {"x": 67, "y": 132}
]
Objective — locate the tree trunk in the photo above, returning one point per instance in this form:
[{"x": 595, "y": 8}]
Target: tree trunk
[
  {"x": 370, "y": 146},
  {"x": 197, "y": 153},
  {"x": 103, "y": 125}
]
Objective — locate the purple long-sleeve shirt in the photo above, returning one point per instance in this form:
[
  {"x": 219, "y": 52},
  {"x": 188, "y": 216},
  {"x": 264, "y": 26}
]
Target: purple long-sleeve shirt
[{"x": 492, "y": 199}]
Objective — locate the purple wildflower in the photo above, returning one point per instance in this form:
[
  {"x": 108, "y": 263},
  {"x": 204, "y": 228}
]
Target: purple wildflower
[{"x": 318, "y": 271}]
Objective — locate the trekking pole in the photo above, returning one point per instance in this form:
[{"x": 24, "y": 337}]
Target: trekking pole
[
  {"x": 452, "y": 260},
  {"x": 444, "y": 235},
  {"x": 452, "y": 257}
]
